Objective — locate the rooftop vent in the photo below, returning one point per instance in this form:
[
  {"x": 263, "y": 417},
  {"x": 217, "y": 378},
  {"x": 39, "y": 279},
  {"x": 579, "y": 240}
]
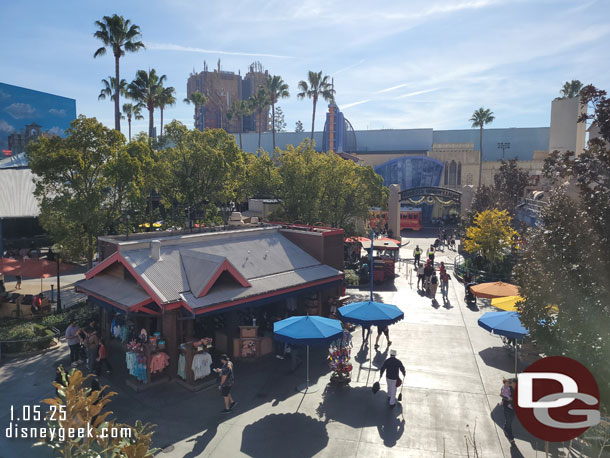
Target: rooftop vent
[{"x": 155, "y": 249}]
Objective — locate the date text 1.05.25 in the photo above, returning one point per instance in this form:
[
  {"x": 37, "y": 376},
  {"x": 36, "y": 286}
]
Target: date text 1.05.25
[{"x": 33, "y": 413}]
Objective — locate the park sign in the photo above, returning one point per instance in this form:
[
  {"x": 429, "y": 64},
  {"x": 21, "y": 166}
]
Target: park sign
[{"x": 429, "y": 194}]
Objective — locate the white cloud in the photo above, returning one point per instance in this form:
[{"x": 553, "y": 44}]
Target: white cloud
[
  {"x": 55, "y": 112},
  {"x": 21, "y": 110},
  {"x": 174, "y": 47},
  {"x": 5, "y": 127},
  {"x": 349, "y": 67},
  {"x": 413, "y": 94},
  {"x": 56, "y": 131},
  {"x": 353, "y": 104}
]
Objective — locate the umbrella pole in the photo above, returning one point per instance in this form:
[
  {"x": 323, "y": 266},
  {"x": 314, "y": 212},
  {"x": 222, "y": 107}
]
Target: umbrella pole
[
  {"x": 516, "y": 359},
  {"x": 304, "y": 387},
  {"x": 307, "y": 366}
]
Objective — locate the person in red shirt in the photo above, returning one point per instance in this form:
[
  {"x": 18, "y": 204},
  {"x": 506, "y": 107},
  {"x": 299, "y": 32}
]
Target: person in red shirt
[{"x": 102, "y": 360}]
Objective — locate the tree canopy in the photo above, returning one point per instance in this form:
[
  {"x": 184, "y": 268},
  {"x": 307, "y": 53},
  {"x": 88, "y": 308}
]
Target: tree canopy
[{"x": 491, "y": 235}]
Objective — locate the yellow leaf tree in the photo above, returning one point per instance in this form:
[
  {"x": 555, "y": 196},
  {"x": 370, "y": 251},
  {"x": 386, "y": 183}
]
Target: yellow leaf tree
[
  {"x": 79, "y": 407},
  {"x": 491, "y": 235}
]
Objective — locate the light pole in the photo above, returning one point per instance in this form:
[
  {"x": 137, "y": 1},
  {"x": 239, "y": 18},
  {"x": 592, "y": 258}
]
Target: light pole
[{"x": 503, "y": 146}]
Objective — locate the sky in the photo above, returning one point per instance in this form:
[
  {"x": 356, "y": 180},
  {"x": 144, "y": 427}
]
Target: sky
[{"x": 395, "y": 64}]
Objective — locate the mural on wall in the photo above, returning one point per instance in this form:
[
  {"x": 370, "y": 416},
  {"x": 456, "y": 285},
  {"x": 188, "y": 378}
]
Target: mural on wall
[{"x": 25, "y": 114}]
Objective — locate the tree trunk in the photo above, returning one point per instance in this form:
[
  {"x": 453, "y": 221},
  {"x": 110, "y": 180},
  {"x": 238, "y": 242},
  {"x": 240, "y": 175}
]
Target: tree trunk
[
  {"x": 151, "y": 121},
  {"x": 313, "y": 116},
  {"x": 117, "y": 115},
  {"x": 480, "y": 155},
  {"x": 129, "y": 122},
  {"x": 241, "y": 127},
  {"x": 273, "y": 123},
  {"x": 260, "y": 114},
  {"x": 161, "y": 121}
]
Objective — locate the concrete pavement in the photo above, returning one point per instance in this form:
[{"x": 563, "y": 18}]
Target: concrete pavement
[{"x": 453, "y": 382}]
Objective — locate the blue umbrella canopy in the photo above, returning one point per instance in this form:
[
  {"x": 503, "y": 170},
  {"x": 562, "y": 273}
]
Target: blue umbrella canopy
[
  {"x": 307, "y": 330},
  {"x": 505, "y": 324},
  {"x": 370, "y": 313}
]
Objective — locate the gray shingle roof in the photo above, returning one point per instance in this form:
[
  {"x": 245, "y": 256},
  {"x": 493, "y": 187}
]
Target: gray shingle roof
[
  {"x": 263, "y": 256},
  {"x": 124, "y": 292}
]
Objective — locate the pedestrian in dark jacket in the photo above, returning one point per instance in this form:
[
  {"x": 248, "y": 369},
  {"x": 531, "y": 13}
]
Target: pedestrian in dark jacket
[{"x": 392, "y": 366}]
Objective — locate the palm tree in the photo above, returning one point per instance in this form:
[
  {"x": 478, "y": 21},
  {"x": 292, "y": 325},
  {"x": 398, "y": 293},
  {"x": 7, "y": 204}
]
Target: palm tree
[
  {"x": 166, "y": 99},
  {"x": 260, "y": 102},
  {"x": 121, "y": 36},
  {"x": 479, "y": 118},
  {"x": 109, "y": 90},
  {"x": 239, "y": 109},
  {"x": 277, "y": 89},
  {"x": 571, "y": 89},
  {"x": 146, "y": 89},
  {"x": 316, "y": 86},
  {"x": 198, "y": 99},
  {"x": 132, "y": 112}
]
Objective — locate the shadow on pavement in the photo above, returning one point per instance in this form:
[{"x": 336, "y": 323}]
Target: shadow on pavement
[
  {"x": 281, "y": 435},
  {"x": 497, "y": 415},
  {"x": 498, "y": 358}
]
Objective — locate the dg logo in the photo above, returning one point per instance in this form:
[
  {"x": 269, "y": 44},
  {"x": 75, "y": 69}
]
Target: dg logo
[{"x": 557, "y": 399}]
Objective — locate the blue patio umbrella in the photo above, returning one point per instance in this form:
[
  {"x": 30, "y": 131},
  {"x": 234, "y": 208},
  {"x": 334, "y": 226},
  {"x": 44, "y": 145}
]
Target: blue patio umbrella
[
  {"x": 507, "y": 324},
  {"x": 307, "y": 330},
  {"x": 370, "y": 313}
]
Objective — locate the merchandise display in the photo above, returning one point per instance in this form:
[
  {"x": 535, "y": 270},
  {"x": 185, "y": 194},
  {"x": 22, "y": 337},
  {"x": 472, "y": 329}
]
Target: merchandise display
[
  {"x": 202, "y": 362},
  {"x": 182, "y": 366},
  {"x": 158, "y": 361},
  {"x": 136, "y": 365},
  {"x": 339, "y": 356}
]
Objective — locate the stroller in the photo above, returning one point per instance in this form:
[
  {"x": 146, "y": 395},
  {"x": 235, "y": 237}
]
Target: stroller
[
  {"x": 469, "y": 297},
  {"x": 438, "y": 245}
]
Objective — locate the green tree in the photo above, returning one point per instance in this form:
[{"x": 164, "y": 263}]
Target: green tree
[
  {"x": 166, "y": 99},
  {"x": 316, "y": 86},
  {"x": 84, "y": 183},
  {"x": 197, "y": 99},
  {"x": 146, "y": 89},
  {"x": 131, "y": 111},
  {"x": 566, "y": 258},
  {"x": 298, "y": 127},
  {"x": 479, "y": 118},
  {"x": 279, "y": 121},
  {"x": 109, "y": 89},
  {"x": 83, "y": 408},
  {"x": 510, "y": 182},
  {"x": 277, "y": 89},
  {"x": 203, "y": 168},
  {"x": 571, "y": 89},
  {"x": 491, "y": 235},
  {"x": 259, "y": 102},
  {"x": 239, "y": 109},
  {"x": 121, "y": 36}
]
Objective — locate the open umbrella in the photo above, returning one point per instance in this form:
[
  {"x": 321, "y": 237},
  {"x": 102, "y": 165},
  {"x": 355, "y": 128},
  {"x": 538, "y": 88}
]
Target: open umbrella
[
  {"x": 7, "y": 265},
  {"x": 369, "y": 313},
  {"x": 307, "y": 330},
  {"x": 494, "y": 289},
  {"x": 507, "y": 324},
  {"x": 507, "y": 303}
]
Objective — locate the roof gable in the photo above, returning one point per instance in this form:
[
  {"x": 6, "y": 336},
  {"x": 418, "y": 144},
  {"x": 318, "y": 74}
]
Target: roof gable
[{"x": 204, "y": 269}]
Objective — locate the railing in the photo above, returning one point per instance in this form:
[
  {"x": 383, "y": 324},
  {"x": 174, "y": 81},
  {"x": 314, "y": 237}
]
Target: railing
[
  {"x": 34, "y": 343},
  {"x": 480, "y": 276}
]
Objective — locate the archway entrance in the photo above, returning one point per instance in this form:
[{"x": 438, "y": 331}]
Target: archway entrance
[{"x": 436, "y": 202}]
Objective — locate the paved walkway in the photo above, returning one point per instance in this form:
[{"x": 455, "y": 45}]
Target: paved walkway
[{"x": 454, "y": 374}]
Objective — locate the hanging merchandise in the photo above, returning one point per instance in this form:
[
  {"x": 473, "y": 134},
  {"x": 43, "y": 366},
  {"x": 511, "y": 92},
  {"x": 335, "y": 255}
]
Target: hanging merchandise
[
  {"x": 182, "y": 366},
  {"x": 136, "y": 365},
  {"x": 339, "y": 356},
  {"x": 158, "y": 362},
  {"x": 202, "y": 362}
]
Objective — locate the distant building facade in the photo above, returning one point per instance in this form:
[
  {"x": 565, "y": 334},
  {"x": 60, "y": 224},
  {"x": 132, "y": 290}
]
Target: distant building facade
[{"x": 222, "y": 88}]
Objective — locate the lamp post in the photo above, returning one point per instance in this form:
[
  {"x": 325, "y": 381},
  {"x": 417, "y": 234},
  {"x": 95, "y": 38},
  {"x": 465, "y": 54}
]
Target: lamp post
[{"x": 503, "y": 146}]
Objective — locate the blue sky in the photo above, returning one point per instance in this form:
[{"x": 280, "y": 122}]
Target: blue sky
[{"x": 396, "y": 64}]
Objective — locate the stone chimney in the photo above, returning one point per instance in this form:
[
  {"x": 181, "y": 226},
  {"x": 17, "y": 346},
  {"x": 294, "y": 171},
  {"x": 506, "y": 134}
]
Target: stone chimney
[{"x": 155, "y": 249}]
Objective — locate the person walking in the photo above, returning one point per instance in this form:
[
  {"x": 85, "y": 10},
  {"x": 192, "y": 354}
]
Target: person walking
[
  {"x": 102, "y": 359},
  {"x": 433, "y": 285},
  {"x": 92, "y": 343},
  {"x": 507, "y": 394},
  {"x": 417, "y": 255},
  {"x": 428, "y": 272},
  {"x": 385, "y": 331},
  {"x": 73, "y": 342},
  {"x": 227, "y": 380},
  {"x": 442, "y": 268},
  {"x": 366, "y": 329},
  {"x": 445, "y": 284},
  {"x": 430, "y": 253},
  {"x": 392, "y": 365},
  {"x": 420, "y": 276},
  {"x": 18, "y": 284}
]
